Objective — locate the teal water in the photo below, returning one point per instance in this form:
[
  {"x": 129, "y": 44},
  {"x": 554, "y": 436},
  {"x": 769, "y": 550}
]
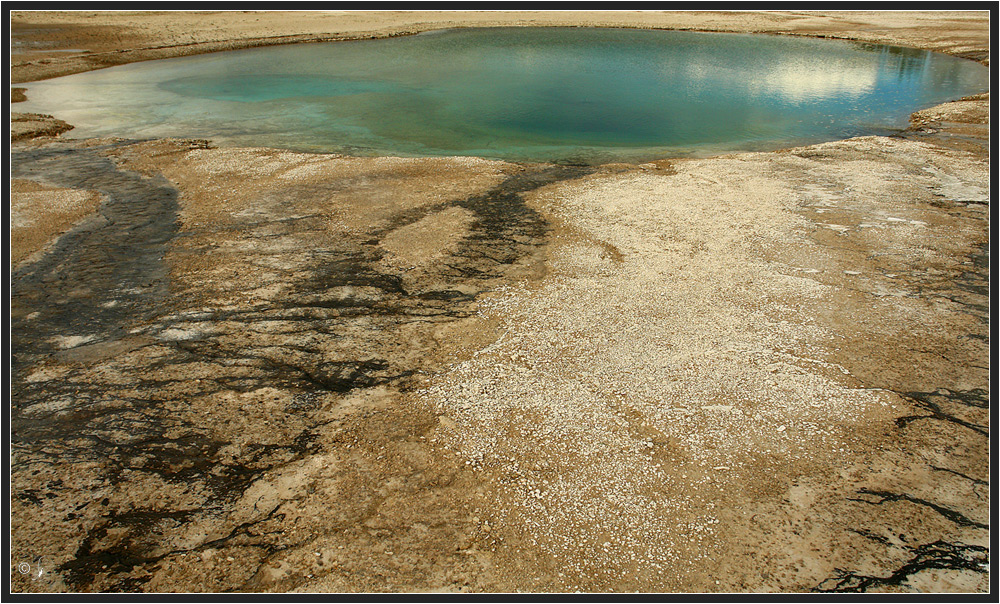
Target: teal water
[{"x": 545, "y": 94}]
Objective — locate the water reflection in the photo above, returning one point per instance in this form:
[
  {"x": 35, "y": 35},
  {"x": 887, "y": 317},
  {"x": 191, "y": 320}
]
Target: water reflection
[{"x": 536, "y": 94}]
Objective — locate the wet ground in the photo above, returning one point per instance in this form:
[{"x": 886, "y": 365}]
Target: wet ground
[
  {"x": 220, "y": 383},
  {"x": 255, "y": 370},
  {"x": 146, "y": 411}
]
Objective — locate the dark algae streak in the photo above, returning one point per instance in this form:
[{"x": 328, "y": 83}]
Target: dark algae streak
[{"x": 104, "y": 290}]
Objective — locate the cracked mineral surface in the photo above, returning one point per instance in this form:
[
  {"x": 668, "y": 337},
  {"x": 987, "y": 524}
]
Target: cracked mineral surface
[{"x": 246, "y": 369}]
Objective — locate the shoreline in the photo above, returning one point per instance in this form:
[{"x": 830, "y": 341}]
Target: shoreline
[
  {"x": 52, "y": 61},
  {"x": 320, "y": 373}
]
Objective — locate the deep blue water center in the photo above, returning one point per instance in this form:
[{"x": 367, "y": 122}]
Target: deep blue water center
[{"x": 523, "y": 94}]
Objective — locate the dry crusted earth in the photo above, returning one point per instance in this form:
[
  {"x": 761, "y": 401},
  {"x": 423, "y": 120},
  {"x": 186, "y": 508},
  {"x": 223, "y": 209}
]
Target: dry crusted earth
[{"x": 268, "y": 371}]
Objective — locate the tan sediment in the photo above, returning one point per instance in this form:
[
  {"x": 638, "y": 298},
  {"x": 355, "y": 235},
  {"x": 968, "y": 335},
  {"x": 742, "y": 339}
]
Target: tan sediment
[
  {"x": 970, "y": 110},
  {"x": 695, "y": 385},
  {"x": 39, "y": 214},
  {"x": 114, "y": 38},
  {"x": 431, "y": 238},
  {"x": 649, "y": 420},
  {"x": 26, "y": 126},
  {"x": 339, "y": 197}
]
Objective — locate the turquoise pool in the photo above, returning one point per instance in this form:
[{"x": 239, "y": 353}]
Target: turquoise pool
[{"x": 522, "y": 94}]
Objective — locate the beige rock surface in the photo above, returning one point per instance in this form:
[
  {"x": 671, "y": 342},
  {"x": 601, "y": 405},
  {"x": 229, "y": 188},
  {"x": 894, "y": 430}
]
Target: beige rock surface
[
  {"x": 25, "y": 126},
  {"x": 39, "y": 213}
]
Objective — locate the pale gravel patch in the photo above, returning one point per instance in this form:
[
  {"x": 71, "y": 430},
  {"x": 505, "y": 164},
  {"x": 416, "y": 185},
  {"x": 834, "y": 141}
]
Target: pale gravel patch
[
  {"x": 605, "y": 363},
  {"x": 66, "y": 342},
  {"x": 963, "y": 111},
  {"x": 253, "y": 162},
  {"x": 25, "y": 213},
  {"x": 49, "y": 407},
  {"x": 41, "y": 214},
  {"x": 187, "y": 331}
]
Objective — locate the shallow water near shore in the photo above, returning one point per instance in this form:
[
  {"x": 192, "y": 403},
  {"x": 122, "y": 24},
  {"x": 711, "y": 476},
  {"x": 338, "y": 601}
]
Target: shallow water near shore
[{"x": 522, "y": 94}]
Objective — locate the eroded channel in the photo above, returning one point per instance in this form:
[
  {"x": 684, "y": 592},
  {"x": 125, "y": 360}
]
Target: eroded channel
[{"x": 145, "y": 408}]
